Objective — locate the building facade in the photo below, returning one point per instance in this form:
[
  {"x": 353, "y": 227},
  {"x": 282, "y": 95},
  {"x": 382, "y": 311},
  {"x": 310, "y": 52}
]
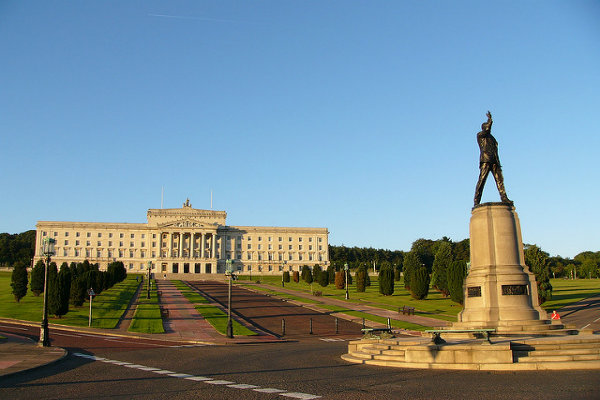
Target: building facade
[{"x": 186, "y": 241}]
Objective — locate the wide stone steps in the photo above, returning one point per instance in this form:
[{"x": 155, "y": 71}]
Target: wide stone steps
[{"x": 536, "y": 353}]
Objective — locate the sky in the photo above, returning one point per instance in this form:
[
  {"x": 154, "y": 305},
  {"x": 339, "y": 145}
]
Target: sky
[{"x": 357, "y": 116}]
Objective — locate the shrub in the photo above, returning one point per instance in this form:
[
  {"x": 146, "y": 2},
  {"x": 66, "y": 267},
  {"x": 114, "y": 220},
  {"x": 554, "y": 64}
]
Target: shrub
[
  {"x": 37, "y": 278},
  {"x": 361, "y": 279},
  {"x": 18, "y": 280},
  {"x": 53, "y": 290},
  {"x": 323, "y": 278},
  {"x": 307, "y": 274},
  {"x": 456, "y": 275},
  {"x": 64, "y": 289},
  {"x": 439, "y": 275},
  {"x": 419, "y": 286},
  {"x": 296, "y": 276},
  {"x": 331, "y": 273},
  {"x": 386, "y": 280},
  {"x": 340, "y": 282},
  {"x": 537, "y": 261},
  {"x": 286, "y": 276},
  {"x": 412, "y": 262}
]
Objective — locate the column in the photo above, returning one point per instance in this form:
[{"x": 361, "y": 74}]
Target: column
[
  {"x": 180, "y": 254},
  {"x": 213, "y": 247},
  {"x": 170, "y": 239},
  {"x": 202, "y": 241},
  {"x": 223, "y": 247},
  {"x": 191, "y": 244}
]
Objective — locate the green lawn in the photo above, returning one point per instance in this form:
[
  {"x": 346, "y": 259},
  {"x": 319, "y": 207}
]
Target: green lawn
[
  {"x": 567, "y": 291},
  {"x": 214, "y": 315},
  {"x": 147, "y": 318},
  {"x": 107, "y": 308}
]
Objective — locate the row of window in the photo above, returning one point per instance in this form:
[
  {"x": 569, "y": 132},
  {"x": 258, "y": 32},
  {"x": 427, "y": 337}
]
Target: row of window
[
  {"x": 110, "y": 243},
  {"x": 280, "y": 239},
  {"x": 290, "y": 247},
  {"x": 99, "y": 234}
]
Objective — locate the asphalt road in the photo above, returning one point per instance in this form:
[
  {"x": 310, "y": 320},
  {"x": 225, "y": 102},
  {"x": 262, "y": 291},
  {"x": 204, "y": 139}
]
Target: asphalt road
[
  {"x": 304, "y": 369},
  {"x": 267, "y": 313},
  {"x": 584, "y": 315}
]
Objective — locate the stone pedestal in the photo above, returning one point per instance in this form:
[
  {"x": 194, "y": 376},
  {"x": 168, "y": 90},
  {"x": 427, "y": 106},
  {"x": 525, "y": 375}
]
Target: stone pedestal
[{"x": 499, "y": 289}]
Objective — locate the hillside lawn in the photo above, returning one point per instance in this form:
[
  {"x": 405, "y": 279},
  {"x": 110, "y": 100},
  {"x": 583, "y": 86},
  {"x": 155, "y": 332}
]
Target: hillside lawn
[{"x": 147, "y": 317}]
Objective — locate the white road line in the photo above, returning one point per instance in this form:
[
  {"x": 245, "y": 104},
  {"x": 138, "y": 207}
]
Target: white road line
[
  {"x": 65, "y": 334},
  {"x": 233, "y": 385},
  {"x": 303, "y": 396},
  {"x": 269, "y": 390},
  {"x": 586, "y": 326}
]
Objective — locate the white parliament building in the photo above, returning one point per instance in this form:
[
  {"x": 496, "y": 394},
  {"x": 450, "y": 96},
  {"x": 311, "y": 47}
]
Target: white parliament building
[{"x": 185, "y": 241}]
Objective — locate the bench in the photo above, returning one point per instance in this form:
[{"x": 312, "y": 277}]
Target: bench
[
  {"x": 164, "y": 313},
  {"x": 372, "y": 331},
  {"x": 437, "y": 338},
  {"x": 407, "y": 310}
]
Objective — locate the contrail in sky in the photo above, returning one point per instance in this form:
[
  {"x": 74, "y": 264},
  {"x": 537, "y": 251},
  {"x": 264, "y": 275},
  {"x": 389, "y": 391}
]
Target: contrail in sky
[{"x": 192, "y": 18}]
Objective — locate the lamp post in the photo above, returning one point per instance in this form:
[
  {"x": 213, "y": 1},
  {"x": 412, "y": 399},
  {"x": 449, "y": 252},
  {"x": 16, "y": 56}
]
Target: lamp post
[
  {"x": 48, "y": 252},
  {"x": 229, "y": 272},
  {"x": 346, "y": 272},
  {"x": 282, "y": 273},
  {"x": 91, "y": 293}
]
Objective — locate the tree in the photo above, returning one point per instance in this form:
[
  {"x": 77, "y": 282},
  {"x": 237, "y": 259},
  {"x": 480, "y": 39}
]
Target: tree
[
  {"x": 306, "y": 274},
  {"x": 78, "y": 290},
  {"x": 386, "y": 280},
  {"x": 53, "y": 290},
  {"x": 340, "y": 280},
  {"x": 18, "y": 280},
  {"x": 296, "y": 276},
  {"x": 412, "y": 262},
  {"x": 537, "y": 261},
  {"x": 286, "y": 276},
  {"x": 331, "y": 273},
  {"x": 419, "y": 284},
  {"x": 323, "y": 278},
  {"x": 361, "y": 279},
  {"x": 456, "y": 274},
  {"x": 64, "y": 289},
  {"x": 37, "y": 278},
  {"x": 439, "y": 276}
]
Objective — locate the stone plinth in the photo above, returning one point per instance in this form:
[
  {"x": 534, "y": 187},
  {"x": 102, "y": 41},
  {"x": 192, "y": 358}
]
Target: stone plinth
[{"x": 499, "y": 287}]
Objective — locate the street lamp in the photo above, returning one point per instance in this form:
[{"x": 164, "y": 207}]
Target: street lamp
[
  {"x": 148, "y": 284},
  {"x": 346, "y": 271},
  {"x": 282, "y": 273},
  {"x": 48, "y": 252},
  {"x": 229, "y": 272}
]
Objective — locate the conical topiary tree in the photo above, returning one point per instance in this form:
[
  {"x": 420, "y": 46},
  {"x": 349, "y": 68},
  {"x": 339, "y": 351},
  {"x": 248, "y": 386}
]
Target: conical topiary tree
[
  {"x": 53, "y": 290},
  {"x": 439, "y": 275},
  {"x": 18, "y": 280},
  {"x": 419, "y": 284},
  {"x": 386, "y": 280},
  {"x": 456, "y": 276},
  {"x": 64, "y": 289},
  {"x": 412, "y": 262},
  {"x": 361, "y": 279},
  {"x": 36, "y": 284}
]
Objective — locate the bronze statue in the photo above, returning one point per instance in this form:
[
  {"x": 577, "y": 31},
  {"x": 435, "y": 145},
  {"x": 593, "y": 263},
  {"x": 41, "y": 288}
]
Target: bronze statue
[{"x": 489, "y": 161}]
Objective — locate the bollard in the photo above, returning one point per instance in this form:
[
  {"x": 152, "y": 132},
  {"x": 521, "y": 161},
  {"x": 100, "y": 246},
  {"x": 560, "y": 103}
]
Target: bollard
[
  {"x": 282, "y": 327},
  {"x": 363, "y": 323},
  {"x": 389, "y": 323},
  {"x": 336, "y": 325},
  {"x": 311, "y": 331}
]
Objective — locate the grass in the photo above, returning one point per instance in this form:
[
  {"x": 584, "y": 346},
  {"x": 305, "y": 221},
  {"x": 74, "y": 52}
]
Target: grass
[
  {"x": 147, "y": 317},
  {"x": 107, "y": 308},
  {"x": 567, "y": 291},
  {"x": 214, "y": 315}
]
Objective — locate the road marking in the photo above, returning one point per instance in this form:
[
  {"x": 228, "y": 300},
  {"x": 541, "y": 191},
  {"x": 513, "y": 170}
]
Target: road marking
[
  {"x": 332, "y": 339},
  {"x": 296, "y": 395},
  {"x": 586, "y": 326},
  {"x": 64, "y": 334},
  {"x": 269, "y": 390},
  {"x": 219, "y": 382},
  {"x": 242, "y": 386},
  {"x": 233, "y": 385}
]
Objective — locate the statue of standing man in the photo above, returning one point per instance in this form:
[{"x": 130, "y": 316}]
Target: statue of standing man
[{"x": 489, "y": 161}]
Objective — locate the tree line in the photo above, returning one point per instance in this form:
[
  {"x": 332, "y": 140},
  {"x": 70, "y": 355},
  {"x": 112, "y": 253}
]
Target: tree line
[{"x": 67, "y": 286}]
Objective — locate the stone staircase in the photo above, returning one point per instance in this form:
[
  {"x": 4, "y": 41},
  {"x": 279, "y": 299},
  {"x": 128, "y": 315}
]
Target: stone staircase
[
  {"x": 506, "y": 353},
  {"x": 521, "y": 328}
]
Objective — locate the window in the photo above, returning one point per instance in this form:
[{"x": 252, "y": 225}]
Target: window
[
  {"x": 299, "y": 257},
  {"x": 270, "y": 238},
  {"x": 87, "y": 243},
  {"x": 143, "y": 244},
  {"x": 280, "y": 257},
  {"x": 130, "y": 244},
  {"x": 44, "y": 233},
  {"x": 130, "y": 253},
  {"x": 259, "y": 257},
  {"x": 249, "y": 238},
  {"x": 99, "y": 243},
  {"x": 259, "y": 238},
  {"x": 110, "y": 235},
  {"x": 310, "y": 246},
  {"x": 260, "y": 246},
  {"x": 299, "y": 247},
  {"x": 132, "y": 235},
  {"x": 143, "y": 235},
  {"x": 109, "y": 243},
  {"x": 249, "y": 256},
  {"x": 142, "y": 254},
  {"x": 66, "y": 234},
  {"x": 76, "y": 252},
  {"x": 290, "y": 247},
  {"x": 320, "y": 247},
  {"x": 270, "y": 247},
  {"x": 310, "y": 239},
  {"x": 290, "y": 239},
  {"x": 65, "y": 253},
  {"x": 153, "y": 244},
  {"x": 290, "y": 257},
  {"x": 280, "y": 238},
  {"x": 130, "y": 265},
  {"x": 310, "y": 257},
  {"x": 120, "y": 244},
  {"x": 77, "y": 243},
  {"x": 110, "y": 253},
  {"x": 89, "y": 234},
  {"x": 153, "y": 254},
  {"x": 280, "y": 247},
  {"x": 121, "y": 235},
  {"x": 87, "y": 252},
  {"x": 76, "y": 234},
  {"x": 320, "y": 240},
  {"x": 120, "y": 253},
  {"x": 99, "y": 234},
  {"x": 55, "y": 234},
  {"x": 249, "y": 246},
  {"x": 98, "y": 253},
  {"x": 299, "y": 239},
  {"x": 66, "y": 242},
  {"x": 154, "y": 236}
]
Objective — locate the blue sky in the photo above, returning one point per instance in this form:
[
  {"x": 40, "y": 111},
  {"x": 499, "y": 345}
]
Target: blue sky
[{"x": 358, "y": 116}]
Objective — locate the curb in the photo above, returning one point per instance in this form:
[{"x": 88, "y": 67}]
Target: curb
[{"x": 64, "y": 355}]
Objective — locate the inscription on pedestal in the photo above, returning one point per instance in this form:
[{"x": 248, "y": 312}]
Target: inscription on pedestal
[
  {"x": 474, "y": 291},
  {"x": 514, "y": 290}
]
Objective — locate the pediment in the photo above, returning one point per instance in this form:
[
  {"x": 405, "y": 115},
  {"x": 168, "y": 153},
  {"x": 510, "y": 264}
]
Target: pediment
[{"x": 186, "y": 223}]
